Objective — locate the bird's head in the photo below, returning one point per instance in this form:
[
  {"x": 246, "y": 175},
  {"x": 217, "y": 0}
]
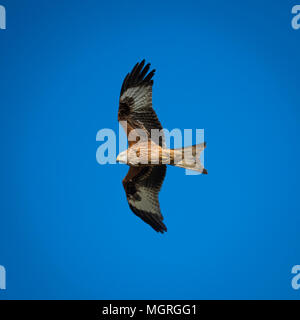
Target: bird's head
[{"x": 122, "y": 157}]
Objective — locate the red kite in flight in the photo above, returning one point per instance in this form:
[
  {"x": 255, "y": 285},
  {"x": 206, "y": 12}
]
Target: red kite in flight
[{"x": 145, "y": 177}]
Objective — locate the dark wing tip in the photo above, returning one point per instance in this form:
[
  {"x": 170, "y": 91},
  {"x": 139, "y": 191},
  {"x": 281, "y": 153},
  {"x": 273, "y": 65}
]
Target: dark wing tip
[
  {"x": 138, "y": 75},
  {"x": 150, "y": 218}
]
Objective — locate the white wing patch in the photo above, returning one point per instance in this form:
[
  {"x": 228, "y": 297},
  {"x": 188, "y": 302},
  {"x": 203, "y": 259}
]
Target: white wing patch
[
  {"x": 148, "y": 201},
  {"x": 142, "y": 96}
]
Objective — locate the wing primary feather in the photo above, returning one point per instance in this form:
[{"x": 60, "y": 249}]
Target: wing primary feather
[
  {"x": 132, "y": 74},
  {"x": 144, "y": 72},
  {"x": 149, "y": 76},
  {"x": 124, "y": 85},
  {"x": 140, "y": 67}
]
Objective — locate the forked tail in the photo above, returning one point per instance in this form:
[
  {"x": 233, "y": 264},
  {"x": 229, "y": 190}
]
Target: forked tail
[{"x": 189, "y": 157}]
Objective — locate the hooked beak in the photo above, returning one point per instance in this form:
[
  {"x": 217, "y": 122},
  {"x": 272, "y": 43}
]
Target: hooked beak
[{"x": 122, "y": 158}]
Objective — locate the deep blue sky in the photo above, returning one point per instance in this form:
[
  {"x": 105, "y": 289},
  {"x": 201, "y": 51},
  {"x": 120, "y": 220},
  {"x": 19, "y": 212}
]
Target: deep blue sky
[{"x": 230, "y": 67}]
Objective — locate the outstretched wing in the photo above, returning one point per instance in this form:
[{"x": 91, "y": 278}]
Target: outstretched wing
[
  {"x": 135, "y": 105},
  {"x": 142, "y": 185}
]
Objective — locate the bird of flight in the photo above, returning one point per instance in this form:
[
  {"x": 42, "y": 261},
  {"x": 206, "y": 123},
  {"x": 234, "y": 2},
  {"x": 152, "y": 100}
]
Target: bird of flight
[{"x": 147, "y": 154}]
